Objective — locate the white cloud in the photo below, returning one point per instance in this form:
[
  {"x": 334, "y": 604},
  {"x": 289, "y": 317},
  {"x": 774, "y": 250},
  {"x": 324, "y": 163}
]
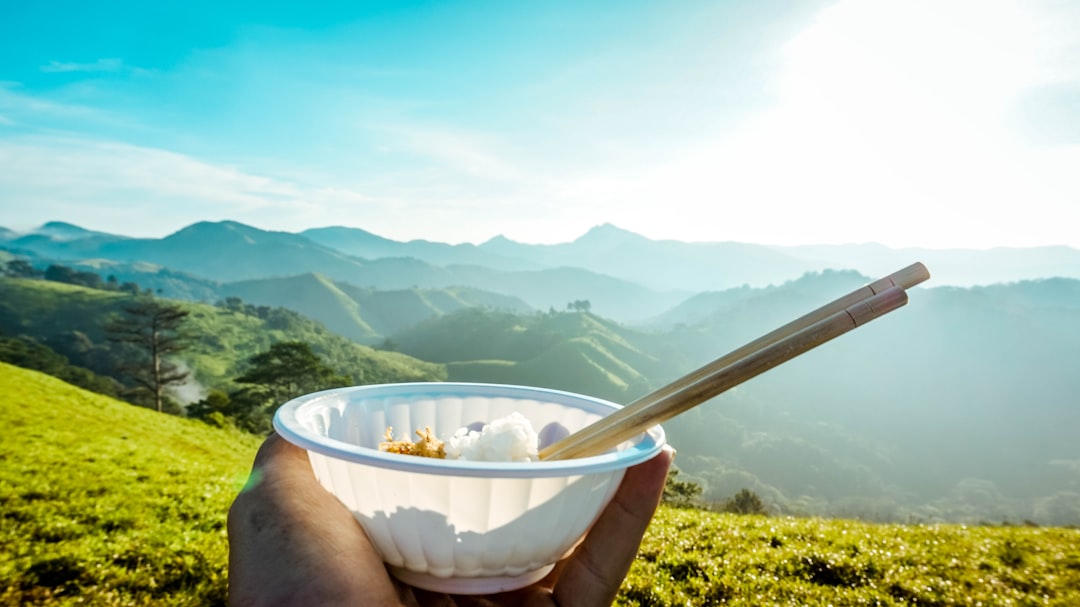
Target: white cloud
[
  {"x": 141, "y": 191},
  {"x": 29, "y": 109},
  {"x": 467, "y": 153},
  {"x": 101, "y": 65},
  {"x": 102, "y": 182}
]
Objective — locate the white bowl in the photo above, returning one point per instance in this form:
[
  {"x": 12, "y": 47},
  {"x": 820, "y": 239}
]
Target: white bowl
[{"x": 461, "y": 527}]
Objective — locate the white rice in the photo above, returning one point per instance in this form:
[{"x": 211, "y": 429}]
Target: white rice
[{"x": 507, "y": 439}]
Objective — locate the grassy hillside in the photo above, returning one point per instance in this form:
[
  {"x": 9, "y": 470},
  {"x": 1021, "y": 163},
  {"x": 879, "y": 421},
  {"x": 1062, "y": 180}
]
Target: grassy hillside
[
  {"x": 312, "y": 295},
  {"x": 571, "y": 351},
  {"x": 105, "y": 503},
  {"x": 577, "y": 365},
  {"x": 695, "y": 558},
  {"x": 389, "y": 311}
]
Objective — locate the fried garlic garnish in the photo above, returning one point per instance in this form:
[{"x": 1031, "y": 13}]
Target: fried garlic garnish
[{"x": 428, "y": 445}]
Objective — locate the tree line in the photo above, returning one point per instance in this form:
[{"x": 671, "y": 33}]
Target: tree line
[{"x": 20, "y": 268}]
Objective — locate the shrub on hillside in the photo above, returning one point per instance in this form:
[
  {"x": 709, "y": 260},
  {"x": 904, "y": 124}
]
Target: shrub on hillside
[
  {"x": 745, "y": 502},
  {"x": 681, "y": 494}
]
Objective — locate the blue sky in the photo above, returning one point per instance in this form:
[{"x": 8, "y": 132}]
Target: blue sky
[{"x": 941, "y": 123}]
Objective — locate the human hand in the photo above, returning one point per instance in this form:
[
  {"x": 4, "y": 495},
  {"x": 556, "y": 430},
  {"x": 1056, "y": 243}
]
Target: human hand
[{"x": 293, "y": 543}]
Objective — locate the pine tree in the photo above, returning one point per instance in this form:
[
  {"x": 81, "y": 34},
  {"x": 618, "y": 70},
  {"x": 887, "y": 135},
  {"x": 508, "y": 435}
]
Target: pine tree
[
  {"x": 153, "y": 330},
  {"x": 290, "y": 369}
]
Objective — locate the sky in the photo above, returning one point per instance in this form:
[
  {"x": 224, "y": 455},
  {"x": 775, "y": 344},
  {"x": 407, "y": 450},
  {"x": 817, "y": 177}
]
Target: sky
[{"x": 912, "y": 123}]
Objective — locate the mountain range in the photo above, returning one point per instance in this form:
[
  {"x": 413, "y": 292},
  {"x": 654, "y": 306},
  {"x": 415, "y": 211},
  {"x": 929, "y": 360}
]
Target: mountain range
[
  {"x": 623, "y": 275},
  {"x": 961, "y": 406}
]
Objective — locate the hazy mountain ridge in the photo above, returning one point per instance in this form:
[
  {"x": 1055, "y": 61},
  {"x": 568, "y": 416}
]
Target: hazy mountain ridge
[
  {"x": 229, "y": 252},
  {"x": 364, "y": 244},
  {"x": 664, "y": 265},
  {"x": 953, "y": 267},
  {"x": 663, "y": 269},
  {"x": 961, "y": 385}
]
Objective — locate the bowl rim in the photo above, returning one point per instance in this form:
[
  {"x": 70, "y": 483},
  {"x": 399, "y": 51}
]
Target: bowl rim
[{"x": 288, "y": 425}]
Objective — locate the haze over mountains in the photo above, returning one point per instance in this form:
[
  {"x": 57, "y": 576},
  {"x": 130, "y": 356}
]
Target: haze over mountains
[
  {"x": 961, "y": 406},
  {"x": 625, "y": 276}
]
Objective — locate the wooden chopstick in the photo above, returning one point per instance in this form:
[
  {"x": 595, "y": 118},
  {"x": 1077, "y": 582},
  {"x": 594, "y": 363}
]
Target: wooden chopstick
[{"x": 806, "y": 332}]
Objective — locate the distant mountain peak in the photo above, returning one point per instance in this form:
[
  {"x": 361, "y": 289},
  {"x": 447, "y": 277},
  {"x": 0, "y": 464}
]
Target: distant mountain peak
[
  {"x": 497, "y": 240},
  {"x": 205, "y": 228},
  {"x": 62, "y": 225},
  {"x": 343, "y": 234},
  {"x": 609, "y": 234},
  {"x": 61, "y": 230}
]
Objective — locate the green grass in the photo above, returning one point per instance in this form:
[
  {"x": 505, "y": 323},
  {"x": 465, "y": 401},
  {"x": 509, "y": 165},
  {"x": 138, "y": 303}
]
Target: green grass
[
  {"x": 105, "y": 503},
  {"x": 690, "y": 557}
]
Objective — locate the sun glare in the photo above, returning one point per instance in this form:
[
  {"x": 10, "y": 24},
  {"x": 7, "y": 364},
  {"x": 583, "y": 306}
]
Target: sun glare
[{"x": 892, "y": 117}]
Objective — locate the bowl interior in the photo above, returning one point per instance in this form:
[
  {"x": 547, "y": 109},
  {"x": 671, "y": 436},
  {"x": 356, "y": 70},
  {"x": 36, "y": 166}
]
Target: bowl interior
[{"x": 349, "y": 424}]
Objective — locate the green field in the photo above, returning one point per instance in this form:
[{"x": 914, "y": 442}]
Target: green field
[{"x": 105, "y": 503}]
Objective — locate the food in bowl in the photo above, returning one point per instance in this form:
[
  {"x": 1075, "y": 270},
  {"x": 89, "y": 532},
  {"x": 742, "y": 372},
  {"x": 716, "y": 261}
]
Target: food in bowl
[
  {"x": 428, "y": 446},
  {"x": 506, "y": 439}
]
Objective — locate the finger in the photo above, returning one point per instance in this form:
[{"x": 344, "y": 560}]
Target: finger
[
  {"x": 279, "y": 459},
  {"x": 275, "y": 448},
  {"x": 593, "y": 574}
]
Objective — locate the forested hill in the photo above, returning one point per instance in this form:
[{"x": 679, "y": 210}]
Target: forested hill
[
  {"x": 575, "y": 351},
  {"x": 223, "y": 339}
]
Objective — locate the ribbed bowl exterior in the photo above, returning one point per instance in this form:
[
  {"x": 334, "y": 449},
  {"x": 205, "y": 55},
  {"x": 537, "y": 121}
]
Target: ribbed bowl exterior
[{"x": 449, "y": 519}]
